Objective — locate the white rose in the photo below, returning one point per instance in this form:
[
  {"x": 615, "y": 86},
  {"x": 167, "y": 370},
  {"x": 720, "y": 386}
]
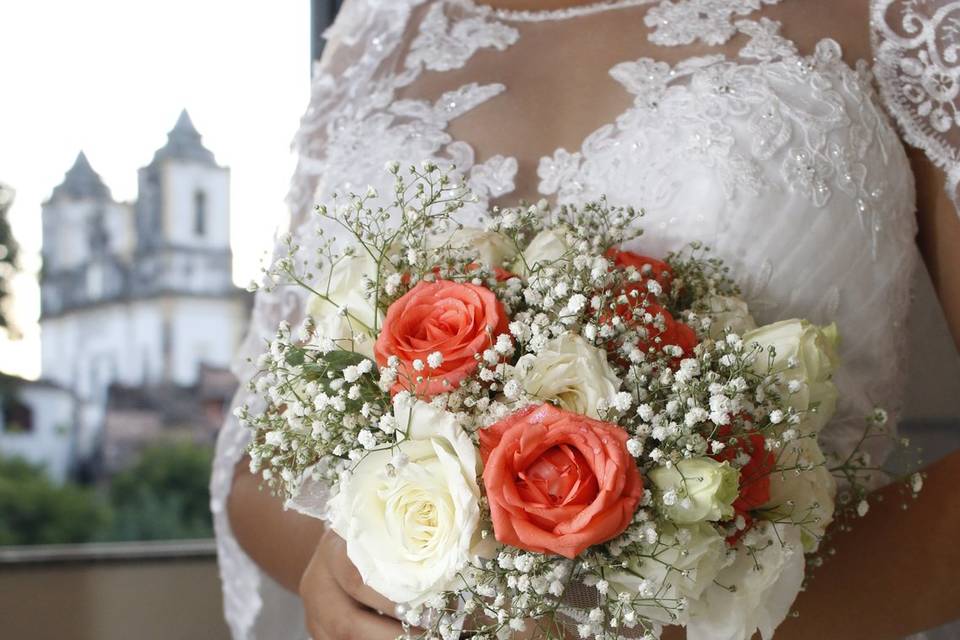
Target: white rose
[
  {"x": 572, "y": 372},
  {"x": 492, "y": 248},
  {"x": 410, "y": 529},
  {"x": 728, "y": 313},
  {"x": 697, "y": 489},
  {"x": 801, "y": 494},
  {"x": 547, "y": 246},
  {"x": 681, "y": 564},
  {"x": 767, "y": 571},
  {"x": 814, "y": 349},
  {"x": 349, "y": 313}
]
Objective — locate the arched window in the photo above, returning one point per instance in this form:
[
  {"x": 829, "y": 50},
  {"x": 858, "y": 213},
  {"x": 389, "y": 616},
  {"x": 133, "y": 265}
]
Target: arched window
[{"x": 199, "y": 213}]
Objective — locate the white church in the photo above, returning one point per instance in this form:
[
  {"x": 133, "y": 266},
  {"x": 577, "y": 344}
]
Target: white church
[{"x": 137, "y": 294}]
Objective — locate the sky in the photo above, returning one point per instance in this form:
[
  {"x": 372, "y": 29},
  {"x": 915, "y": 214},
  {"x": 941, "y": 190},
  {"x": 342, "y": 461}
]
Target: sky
[{"x": 111, "y": 76}]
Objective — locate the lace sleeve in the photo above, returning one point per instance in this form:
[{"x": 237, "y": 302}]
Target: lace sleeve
[
  {"x": 360, "y": 44},
  {"x": 917, "y": 67}
]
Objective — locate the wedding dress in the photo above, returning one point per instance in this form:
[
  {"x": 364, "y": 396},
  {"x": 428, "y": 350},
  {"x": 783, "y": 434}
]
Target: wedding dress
[{"x": 702, "y": 112}]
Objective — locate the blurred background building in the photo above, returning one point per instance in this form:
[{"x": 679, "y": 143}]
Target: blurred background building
[{"x": 139, "y": 315}]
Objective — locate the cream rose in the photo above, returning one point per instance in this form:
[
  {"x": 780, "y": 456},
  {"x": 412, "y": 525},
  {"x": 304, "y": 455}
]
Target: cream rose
[
  {"x": 492, "y": 248},
  {"x": 813, "y": 350},
  {"x": 571, "y": 372},
  {"x": 767, "y": 571},
  {"x": 682, "y": 563},
  {"x": 410, "y": 515},
  {"x": 804, "y": 493},
  {"x": 728, "y": 313},
  {"x": 547, "y": 246},
  {"x": 696, "y": 489},
  {"x": 349, "y": 313}
]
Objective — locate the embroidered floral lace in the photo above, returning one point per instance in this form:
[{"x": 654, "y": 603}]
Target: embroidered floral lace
[{"x": 784, "y": 162}]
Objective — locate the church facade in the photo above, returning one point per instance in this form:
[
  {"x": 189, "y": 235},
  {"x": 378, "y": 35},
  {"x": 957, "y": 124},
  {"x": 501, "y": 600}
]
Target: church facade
[{"x": 138, "y": 295}]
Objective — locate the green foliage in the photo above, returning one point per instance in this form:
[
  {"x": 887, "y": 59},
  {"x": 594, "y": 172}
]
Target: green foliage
[
  {"x": 8, "y": 253},
  {"x": 327, "y": 368},
  {"x": 163, "y": 496},
  {"x": 33, "y": 510}
]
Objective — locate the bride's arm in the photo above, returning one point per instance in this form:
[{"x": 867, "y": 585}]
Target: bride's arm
[
  {"x": 281, "y": 541},
  {"x": 301, "y": 555},
  {"x": 896, "y": 570},
  {"x": 894, "y": 573},
  {"x": 939, "y": 237}
]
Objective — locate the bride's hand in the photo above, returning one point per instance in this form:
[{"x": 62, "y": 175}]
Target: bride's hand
[{"x": 338, "y": 605}]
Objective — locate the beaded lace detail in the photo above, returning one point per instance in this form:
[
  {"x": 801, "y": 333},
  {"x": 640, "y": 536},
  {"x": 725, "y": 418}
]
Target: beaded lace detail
[
  {"x": 667, "y": 123},
  {"x": 687, "y": 21},
  {"x": 442, "y": 46}
]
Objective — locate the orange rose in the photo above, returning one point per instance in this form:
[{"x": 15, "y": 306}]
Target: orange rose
[
  {"x": 675, "y": 333},
  {"x": 754, "y": 489},
  {"x": 558, "y": 482},
  {"x": 659, "y": 270},
  {"x": 755, "y": 474},
  {"x": 457, "y": 320}
]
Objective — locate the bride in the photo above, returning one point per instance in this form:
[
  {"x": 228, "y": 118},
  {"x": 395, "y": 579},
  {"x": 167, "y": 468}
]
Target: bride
[{"x": 760, "y": 127}]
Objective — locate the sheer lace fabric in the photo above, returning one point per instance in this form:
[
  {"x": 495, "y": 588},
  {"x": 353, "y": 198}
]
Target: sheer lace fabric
[
  {"x": 699, "y": 111},
  {"x": 917, "y": 43}
]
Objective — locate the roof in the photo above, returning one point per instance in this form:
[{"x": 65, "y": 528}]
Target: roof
[
  {"x": 11, "y": 379},
  {"x": 172, "y": 403},
  {"x": 184, "y": 142},
  {"x": 81, "y": 181}
]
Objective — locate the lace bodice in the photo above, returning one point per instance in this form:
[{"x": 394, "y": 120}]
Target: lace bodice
[{"x": 783, "y": 161}]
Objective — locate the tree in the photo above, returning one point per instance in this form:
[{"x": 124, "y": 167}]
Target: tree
[
  {"x": 8, "y": 255},
  {"x": 165, "y": 495},
  {"x": 33, "y": 510}
]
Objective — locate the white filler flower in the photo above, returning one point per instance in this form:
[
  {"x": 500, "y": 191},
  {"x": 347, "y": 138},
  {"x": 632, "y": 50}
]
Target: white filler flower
[
  {"x": 681, "y": 563},
  {"x": 768, "y": 572},
  {"x": 410, "y": 530},
  {"x": 572, "y": 372},
  {"x": 807, "y": 354},
  {"x": 804, "y": 495},
  {"x": 349, "y": 312},
  {"x": 494, "y": 249},
  {"x": 728, "y": 313},
  {"x": 547, "y": 247}
]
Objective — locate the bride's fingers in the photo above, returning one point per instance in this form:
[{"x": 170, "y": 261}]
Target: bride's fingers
[
  {"x": 349, "y": 578},
  {"x": 331, "y": 614}
]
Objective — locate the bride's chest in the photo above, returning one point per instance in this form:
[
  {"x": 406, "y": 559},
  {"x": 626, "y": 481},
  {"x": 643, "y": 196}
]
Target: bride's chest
[{"x": 701, "y": 146}]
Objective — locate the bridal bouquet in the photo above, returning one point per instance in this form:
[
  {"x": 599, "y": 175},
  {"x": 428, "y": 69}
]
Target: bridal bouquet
[{"x": 527, "y": 427}]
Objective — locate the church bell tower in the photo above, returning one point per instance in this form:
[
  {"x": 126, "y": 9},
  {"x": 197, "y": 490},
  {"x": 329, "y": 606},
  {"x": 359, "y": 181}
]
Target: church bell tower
[{"x": 183, "y": 219}]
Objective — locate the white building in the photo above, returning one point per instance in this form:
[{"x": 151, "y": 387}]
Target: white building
[
  {"x": 138, "y": 294},
  {"x": 38, "y": 426}
]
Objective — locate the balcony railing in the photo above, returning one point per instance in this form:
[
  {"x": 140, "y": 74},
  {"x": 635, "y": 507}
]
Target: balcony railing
[{"x": 115, "y": 591}]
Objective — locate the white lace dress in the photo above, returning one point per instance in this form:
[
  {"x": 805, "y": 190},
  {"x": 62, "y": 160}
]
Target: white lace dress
[{"x": 701, "y": 112}]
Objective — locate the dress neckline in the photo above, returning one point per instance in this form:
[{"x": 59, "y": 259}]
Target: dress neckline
[{"x": 543, "y": 15}]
